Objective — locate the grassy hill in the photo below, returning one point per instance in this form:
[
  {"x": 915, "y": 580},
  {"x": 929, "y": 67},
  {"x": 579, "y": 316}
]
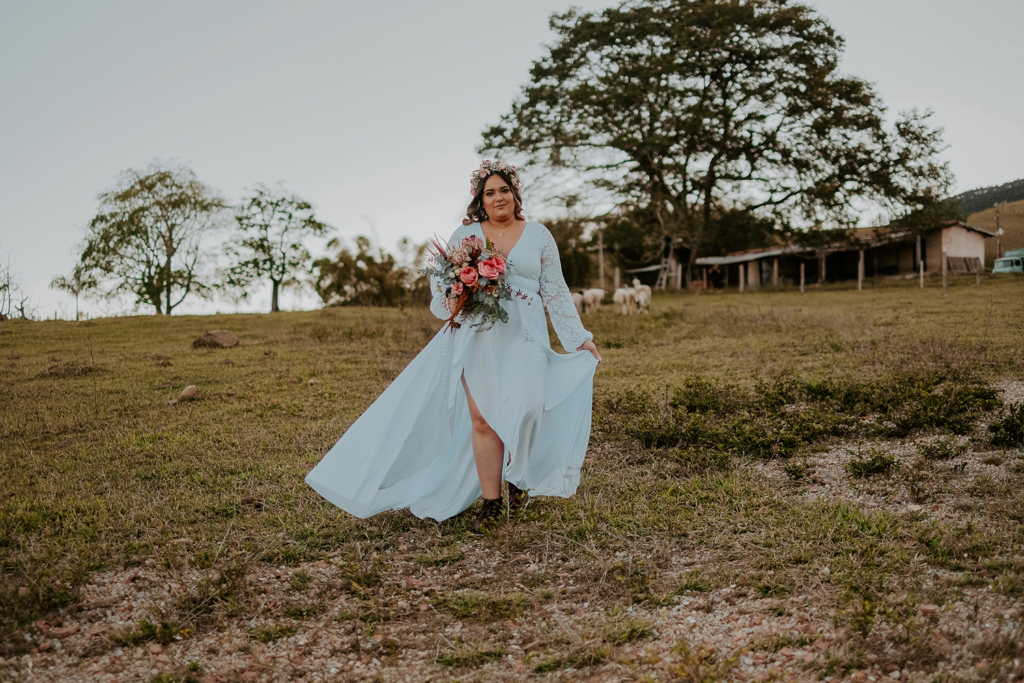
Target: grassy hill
[
  {"x": 778, "y": 487},
  {"x": 1011, "y": 220},
  {"x": 982, "y": 198}
]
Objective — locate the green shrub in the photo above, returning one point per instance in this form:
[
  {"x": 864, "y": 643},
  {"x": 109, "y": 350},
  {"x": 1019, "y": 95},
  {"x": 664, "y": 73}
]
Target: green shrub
[
  {"x": 798, "y": 469},
  {"x": 942, "y": 449},
  {"x": 1008, "y": 429},
  {"x": 878, "y": 463},
  {"x": 475, "y": 654},
  {"x": 268, "y": 634},
  {"x": 147, "y": 631}
]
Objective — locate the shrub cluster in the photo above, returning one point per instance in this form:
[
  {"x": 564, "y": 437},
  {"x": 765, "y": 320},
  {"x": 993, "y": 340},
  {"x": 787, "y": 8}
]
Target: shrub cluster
[{"x": 786, "y": 415}]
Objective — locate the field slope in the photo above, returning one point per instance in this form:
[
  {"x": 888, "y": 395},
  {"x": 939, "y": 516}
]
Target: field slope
[{"x": 782, "y": 486}]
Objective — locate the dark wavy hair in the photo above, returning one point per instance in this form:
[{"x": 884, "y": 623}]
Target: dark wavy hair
[{"x": 475, "y": 211}]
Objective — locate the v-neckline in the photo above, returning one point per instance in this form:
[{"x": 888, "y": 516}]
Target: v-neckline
[{"x": 508, "y": 256}]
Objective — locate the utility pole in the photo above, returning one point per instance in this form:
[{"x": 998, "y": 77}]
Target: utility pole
[{"x": 999, "y": 233}]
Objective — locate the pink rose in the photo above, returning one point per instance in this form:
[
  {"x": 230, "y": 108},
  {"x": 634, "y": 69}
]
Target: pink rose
[
  {"x": 456, "y": 288},
  {"x": 472, "y": 242},
  {"x": 468, "y": 275},
  {"x": 499, "y": 263},
  {"x": 488, "y": 269}
]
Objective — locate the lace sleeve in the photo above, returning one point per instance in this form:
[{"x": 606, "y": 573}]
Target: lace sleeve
[
  {"x": 437, "y": 289},
  {"x": 557, "y": 298}
]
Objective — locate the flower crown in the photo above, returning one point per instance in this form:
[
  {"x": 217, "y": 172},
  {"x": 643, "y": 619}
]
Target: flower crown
[{"x": 488, "y": 167}]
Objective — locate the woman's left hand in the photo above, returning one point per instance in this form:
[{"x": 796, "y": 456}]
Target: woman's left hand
[{"x": 589, "y": 346}]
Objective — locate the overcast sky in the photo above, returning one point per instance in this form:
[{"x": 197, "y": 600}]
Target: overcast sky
[{"x": 372, "y": 110}]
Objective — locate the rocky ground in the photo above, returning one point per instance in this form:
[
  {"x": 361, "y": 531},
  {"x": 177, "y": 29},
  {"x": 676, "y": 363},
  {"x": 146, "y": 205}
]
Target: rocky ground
[{"x": 477, "y": 610}]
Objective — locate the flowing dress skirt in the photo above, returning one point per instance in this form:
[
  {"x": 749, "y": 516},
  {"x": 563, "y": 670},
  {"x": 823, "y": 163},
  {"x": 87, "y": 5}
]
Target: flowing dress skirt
[{"x": 412, "y": 448}]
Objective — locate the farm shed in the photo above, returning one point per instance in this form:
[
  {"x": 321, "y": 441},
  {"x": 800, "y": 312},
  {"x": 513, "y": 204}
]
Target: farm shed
[{"x": 883, "y": 252}]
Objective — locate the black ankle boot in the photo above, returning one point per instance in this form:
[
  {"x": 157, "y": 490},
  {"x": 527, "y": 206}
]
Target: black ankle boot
[
  {"x": 492, "y": 509},
  {"x": 517, "y": 498}
]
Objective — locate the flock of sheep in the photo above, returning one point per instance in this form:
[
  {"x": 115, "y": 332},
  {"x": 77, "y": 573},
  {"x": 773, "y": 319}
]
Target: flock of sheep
[{"x": 626, "y": 300}]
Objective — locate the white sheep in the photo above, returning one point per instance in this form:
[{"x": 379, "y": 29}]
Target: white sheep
[
  {"x": 592, "y": 300},
  {"x": 625, "y": 300},
  {"x": 643, "y": 296},
  {"x": 577, "y": 300}
]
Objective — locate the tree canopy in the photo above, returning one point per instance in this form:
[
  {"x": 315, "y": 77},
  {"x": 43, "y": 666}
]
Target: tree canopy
[
  {"x": 81, "y": 281},
  {"x": 145, "y": 240},
  {"x": 365, "y": 278},
  {"x": 271, "y": 226},
  {"x": 694, "y": 109}
]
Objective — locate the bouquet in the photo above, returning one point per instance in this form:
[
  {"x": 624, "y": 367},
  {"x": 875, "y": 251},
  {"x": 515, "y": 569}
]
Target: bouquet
[{"x": 474, "y": 274}]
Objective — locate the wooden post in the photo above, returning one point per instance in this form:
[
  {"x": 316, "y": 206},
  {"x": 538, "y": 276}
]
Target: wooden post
[
  {"x": 918, "y": 252},
  {"x": 600, "y": 256},
  {"x": 743, "y": 275},
  {"x": 616, "y": 278},
  {"x": 705, "y": 278},
  {"x": 725, "y": 276},
  {"x": 679, "y": 275},
  {"x": 821, "y": 268},
  {"x": 920, "y": 265},
  {"x": 775, "y": 270},
  {"x": 803, "y": 266},
  {"x": 860, "y": 271},
  {"x": 944, "y": 278}
]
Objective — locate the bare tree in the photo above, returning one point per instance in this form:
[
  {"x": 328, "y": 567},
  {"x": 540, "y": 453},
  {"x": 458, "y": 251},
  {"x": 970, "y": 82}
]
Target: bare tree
[{"x": 13, "y": 298}]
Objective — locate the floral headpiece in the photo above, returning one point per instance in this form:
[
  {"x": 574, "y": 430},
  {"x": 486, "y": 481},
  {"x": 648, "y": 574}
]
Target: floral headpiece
[{"x": 486, "y": 168}]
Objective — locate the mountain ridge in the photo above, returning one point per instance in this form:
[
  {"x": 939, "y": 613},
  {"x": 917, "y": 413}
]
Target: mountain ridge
[{"x": 973, "y": 201}]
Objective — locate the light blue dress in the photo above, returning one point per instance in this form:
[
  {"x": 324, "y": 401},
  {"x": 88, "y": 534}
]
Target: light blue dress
[{"x": 412, "y": 448}]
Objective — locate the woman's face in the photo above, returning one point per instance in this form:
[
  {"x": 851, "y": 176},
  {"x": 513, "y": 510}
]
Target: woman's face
[{"x": 499, "y": 202}]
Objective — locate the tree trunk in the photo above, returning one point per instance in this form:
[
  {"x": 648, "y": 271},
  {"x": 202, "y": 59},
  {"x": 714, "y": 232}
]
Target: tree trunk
[
  {"x": 273, "y": 296},
  {"x": 167, "y": 283}
]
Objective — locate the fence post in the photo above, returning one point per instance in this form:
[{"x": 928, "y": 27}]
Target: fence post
[
  {"x": 775, "y": 271},
  {"x": 945, "y": 284},
  {"x": 743, "y": 275},
  {"x": 920, "y": 265},
  {"x": 616, "y": 278},
  {"x": 802, "y": 267},
  {"x": 860, "y": 271}
]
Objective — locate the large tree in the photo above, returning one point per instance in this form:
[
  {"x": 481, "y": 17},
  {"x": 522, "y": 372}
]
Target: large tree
[
  {"x": 145, "y": 240},
  {"x": 271, "y": 225},
  {"x": 688, "y": 109}
]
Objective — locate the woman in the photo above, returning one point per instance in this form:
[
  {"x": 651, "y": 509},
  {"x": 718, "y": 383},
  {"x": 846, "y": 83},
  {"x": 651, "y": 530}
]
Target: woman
[{"x": 476, "y": 406}]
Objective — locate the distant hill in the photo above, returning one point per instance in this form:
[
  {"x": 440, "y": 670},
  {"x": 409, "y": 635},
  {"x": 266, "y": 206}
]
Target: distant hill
[
  {"x": 1011, "y": 220},
  {"x": 983, "y": 198}
]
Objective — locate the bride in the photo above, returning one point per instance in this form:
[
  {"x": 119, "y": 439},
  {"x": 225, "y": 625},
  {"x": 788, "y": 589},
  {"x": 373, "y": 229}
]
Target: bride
[{"x": 477, "y": 406}]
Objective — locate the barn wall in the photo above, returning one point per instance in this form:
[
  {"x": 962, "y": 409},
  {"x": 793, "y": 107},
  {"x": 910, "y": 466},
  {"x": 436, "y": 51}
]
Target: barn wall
[
  {"x": 754, "y": 273},
  {"x": 960, "y": 242},
  {"x": 954, "y": 241}
]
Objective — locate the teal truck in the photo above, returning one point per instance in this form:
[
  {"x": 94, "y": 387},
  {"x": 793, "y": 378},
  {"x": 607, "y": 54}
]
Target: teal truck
[{"x": 1011, "y": 262}]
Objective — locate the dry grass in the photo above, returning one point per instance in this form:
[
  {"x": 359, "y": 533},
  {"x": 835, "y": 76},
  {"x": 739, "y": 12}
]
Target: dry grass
[
  {"x": 104, "y": 473},
  {"x": 1011, "y": 220}
]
